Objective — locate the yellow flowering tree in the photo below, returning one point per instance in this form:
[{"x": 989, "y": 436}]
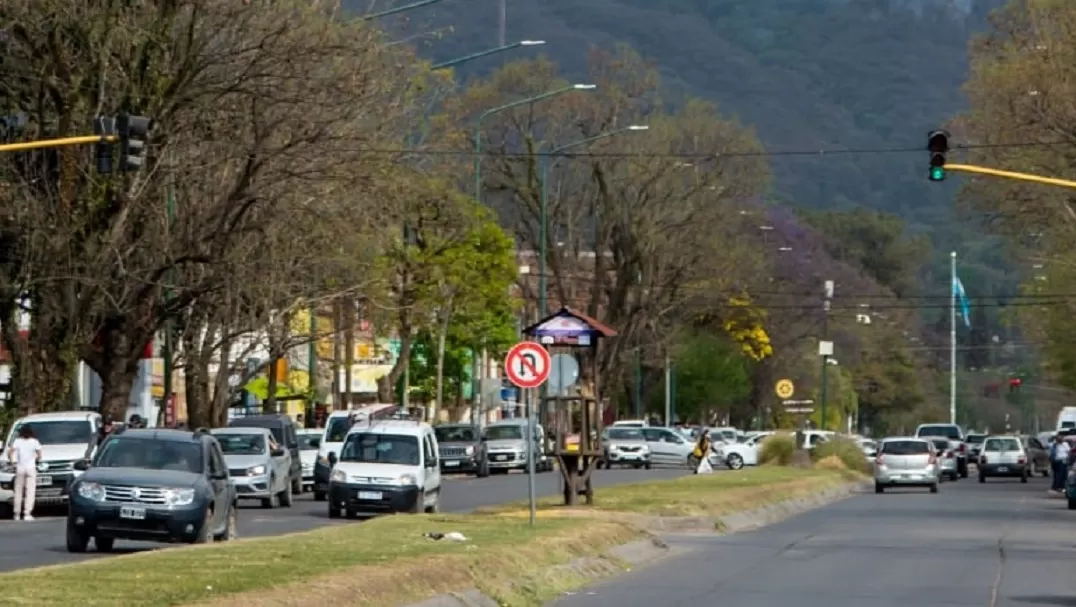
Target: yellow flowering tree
[{"x": 745, "y": 325}]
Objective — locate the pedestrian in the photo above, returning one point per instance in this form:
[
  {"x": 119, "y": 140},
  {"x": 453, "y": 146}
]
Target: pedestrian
[
  {"x": 702, "y": 451},
  {"x": 1059, "y": 463},
  {"x": 136, "y": 422},
  {"x": 25, "y": 453}
]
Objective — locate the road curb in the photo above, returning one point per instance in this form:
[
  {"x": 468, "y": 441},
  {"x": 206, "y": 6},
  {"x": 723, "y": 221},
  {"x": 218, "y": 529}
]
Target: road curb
[{"x": 625, "y": 557}]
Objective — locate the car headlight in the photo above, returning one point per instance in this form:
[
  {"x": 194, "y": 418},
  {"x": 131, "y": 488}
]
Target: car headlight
[
  {"x": 645, "y": 449},
  {"x": 256, "y": 470},
  {"x": 338, "y": 476},
  {"x": 407, "y": 479},
  {"x": 178, "y": 497},
  {"x": 469, "y": 450},
  {"x": 8, "y": 467},
  {"x": 91, "y": 491}
]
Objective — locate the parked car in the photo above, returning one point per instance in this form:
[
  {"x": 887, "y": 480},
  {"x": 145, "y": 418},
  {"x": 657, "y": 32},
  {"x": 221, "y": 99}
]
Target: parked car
[
  {"x": 624, "y": 446},
  {"x": 954, "y": 433},
  {"x": 946, "y": 458},
  {"x": 1003, "y": 456},
  {"x": 461, "y": 449},
  {"x": 1038, "y": 456},
  {"x": 906, "y": 462}
]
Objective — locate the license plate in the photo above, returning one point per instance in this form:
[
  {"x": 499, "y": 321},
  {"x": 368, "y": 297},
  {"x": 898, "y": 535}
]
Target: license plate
[
  {"x": 1003, "y": 468},
  {"x": 44, "y": 481},
  {"x": 132, "y": 512},
  {"x": 369, "y": 495},
  {"x": 451, "y": 464},
  {"x": 501, "y": 458}
]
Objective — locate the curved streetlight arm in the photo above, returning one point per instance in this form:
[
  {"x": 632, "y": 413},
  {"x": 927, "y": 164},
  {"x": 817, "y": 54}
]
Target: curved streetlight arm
[
  {"x": 500, "y": 49},
  {"x": 399, "y": 9}
]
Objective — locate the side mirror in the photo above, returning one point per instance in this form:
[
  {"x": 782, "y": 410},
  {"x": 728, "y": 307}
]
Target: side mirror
[
  {"x": 81, "y": 465},
  {"x": 278, "y": 452},
  {"x": 332, "y": 459}
]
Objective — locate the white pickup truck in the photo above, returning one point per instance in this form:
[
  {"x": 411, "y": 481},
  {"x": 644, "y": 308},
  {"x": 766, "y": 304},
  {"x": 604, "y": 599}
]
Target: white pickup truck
[{"x": 956, "y": 435}]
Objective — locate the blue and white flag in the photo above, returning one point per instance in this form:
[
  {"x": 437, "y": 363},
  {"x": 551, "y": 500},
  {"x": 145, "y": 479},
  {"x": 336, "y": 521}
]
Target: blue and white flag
[{"x": 962, "y": 299}]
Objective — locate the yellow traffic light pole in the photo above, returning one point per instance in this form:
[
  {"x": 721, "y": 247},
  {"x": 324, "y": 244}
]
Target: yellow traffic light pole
[
  {"x": 56, "y": 143},
  {"x": 972, "y": 168}
]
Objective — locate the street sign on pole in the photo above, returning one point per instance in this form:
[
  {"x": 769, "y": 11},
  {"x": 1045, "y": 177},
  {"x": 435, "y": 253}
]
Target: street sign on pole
[
  {"x": 784, "y": 388},
  {"x": 527, "y": 364}
]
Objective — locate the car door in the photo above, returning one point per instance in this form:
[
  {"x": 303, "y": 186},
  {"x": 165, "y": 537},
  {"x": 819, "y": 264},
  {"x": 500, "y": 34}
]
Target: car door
[
  {"x": 432, "y": 484},
  {"x": 281, "y": 463},
  {"x": 1039, "y": 452}
]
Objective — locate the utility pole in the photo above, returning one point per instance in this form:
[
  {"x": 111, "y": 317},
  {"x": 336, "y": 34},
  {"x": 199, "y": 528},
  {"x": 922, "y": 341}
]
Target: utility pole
[
  {"x": 825, "y": 347},
  {"x": 502, "y": 22},
  {"x": 668, "y": 391}
]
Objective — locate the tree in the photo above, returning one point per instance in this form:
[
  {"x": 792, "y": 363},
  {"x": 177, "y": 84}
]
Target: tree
[
  {"x": 710, "y": 374},
  {"x": 245, "y": 137}
]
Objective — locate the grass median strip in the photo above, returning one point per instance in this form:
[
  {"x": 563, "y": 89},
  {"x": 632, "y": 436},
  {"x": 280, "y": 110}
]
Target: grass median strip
[{"x": 388, "y": 562}]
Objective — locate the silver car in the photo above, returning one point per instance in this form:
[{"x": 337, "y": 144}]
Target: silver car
[
  {"x": 259, "y": 472},
  {"x": 624, "y": 447},
  {"x": 906, "y": 461},
  {"x": 309, "y": 444},
  {"x": 506, "y": 448},
  {"x": 946, "y": 458}
]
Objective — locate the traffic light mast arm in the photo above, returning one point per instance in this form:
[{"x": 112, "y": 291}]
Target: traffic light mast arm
[
  {"x": 56, "y": 143},
  {"x": 971, "y": 168}
]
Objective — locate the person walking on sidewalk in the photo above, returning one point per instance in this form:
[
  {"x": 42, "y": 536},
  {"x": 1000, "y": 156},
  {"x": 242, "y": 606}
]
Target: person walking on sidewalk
[
  {"x": 25, "y": 452},
  {"x": 1059, "y": 463}
]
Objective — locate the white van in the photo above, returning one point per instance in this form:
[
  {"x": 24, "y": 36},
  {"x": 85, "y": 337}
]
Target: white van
[
  {"x": 386, "y": 467},
  {"x": 65, "y": 437},
  {"x": 1066, "y": 418},
  {"x": 336, "y": 428}
]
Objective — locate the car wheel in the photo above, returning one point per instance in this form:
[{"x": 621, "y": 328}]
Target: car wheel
[
  {"x": 76, "y": 539},
  {"x": 734, "y": 461},
  {"x": 637, "y": 466},
  {"x": 982, "y": 478},
  {"x": 7, "y": 512},
  {"x": 648, "y": 465},
  {"x": 104, "y": 544},
  {"x": 319, "y": 496},
  {"x": 284, "y": 497},
  {"x": 296, "y": 488},
  {"x": 205, "y": 536},
  {"x": 953, "y": 476},
  {"x": 599, "y": 464},
  {"x": 878, "y": 488},
  {"x": 1023, "y": 477},
  {"x": 435, "y": 508},
  {"x": 231, "y": 527},
  {"x": 334, "y": 512},
  {"x": 1072, "y": 504},
  {"x": 934, "y": 488},
  {"x": 420, "y": 504}
]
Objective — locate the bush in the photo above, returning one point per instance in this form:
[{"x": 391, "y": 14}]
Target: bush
[
  {"x": 777, "y": 449},
  {"x": 846, "y": 450}
]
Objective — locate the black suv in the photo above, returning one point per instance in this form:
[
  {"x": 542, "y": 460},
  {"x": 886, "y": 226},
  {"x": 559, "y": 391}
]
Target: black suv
[
  {"x": 461, "y": 449},
  {"x": 152, "y": 485}
]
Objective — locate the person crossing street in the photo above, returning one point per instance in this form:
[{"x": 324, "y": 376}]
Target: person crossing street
[
  {"x": 1059, "y": 463},
  {"x": 25, "y": 453}
]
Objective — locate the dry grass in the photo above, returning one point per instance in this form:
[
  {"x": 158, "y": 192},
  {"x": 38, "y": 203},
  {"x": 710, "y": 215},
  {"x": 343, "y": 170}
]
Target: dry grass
[
  {"x": 708, "y": 495},
  {"x": 380, "y": 563}
]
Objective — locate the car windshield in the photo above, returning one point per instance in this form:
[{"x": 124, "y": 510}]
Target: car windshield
[
  {"x": 947, "y": 431},
  {"x": 119, "y": 452},
  {"x": 58, "y": 432},
  {"x": 241, "y": 444},
  {"x": 976, "y": 439},
  {"x": 456, "y": 434},
  {"x": 337, "y": 430},
  {"x": 625, "y": 434},
  {"x": 512, "y": 432},
  {"x": 380, "y": 449},
  {"x": 1001, "y": 444},
  {"x": 905, "y": 447},
  {"x": 309, "y": 442}
]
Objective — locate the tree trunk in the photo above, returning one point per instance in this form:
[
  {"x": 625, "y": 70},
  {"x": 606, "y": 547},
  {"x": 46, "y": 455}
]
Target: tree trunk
[
  {"x": 222, "y": 391},
  {"x": 386, "y": 385},
  {"x": 270, "y": 392},
  {"x": 337, "y": 351},
  {"x": 117, "y": 380},
  {"x": 196, "y": 384}
]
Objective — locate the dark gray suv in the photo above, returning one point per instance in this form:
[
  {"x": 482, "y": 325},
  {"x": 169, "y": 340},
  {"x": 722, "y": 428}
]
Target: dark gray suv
[
  {"x": 461, "y": 449},
  {"x": 152, "y": 485}
]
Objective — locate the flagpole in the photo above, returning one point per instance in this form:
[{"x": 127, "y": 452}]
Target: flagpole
[{"x": 952, "y": 337}]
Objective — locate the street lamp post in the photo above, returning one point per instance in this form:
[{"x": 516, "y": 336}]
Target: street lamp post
[
  {"x": 399, "y": 9},
  {"x": 493, "y": 51},
  {"x": 543, "y": 208}
]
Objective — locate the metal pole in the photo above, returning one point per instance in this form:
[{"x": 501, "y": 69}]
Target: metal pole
[
  {"x": 399, "y": 9},
  {"x": 638, "y": 384},
  {"x": 312, "y": 358},
  {"x": 952, "y": 337},
  {"x": 827, "y": 294},
  {"x": 493, "y": 51},
  {"x": 169, "y": 333},
  {"x": 527, "y": 398},
  {"x": 668, "y": 391},
  {"x": 543, "y": 252}
]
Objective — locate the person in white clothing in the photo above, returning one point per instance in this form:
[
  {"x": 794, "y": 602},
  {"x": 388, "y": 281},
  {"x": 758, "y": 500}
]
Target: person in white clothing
[{"x": 25, "y": 453}]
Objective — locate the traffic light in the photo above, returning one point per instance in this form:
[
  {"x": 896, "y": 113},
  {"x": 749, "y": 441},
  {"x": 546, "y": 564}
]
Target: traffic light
[
  {"x": 1014, "y": 385},
  {"x": 937, "y": 145},
  {"x": 133, "y": 132},
  {"x": 104, "y": 126}
]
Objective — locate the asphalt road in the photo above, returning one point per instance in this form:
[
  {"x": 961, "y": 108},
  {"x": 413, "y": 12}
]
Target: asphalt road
[
  {"x": 41, "y": 542},
  {"x": 999, "y": 544}
]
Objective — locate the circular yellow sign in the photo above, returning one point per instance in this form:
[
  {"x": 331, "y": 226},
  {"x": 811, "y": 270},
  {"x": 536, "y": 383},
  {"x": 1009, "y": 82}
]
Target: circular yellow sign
[{"x": 784, "y": 388}]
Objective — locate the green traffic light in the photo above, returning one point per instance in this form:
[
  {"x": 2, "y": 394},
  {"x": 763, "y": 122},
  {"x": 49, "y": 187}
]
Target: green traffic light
[{"x": 937, "y": 173}]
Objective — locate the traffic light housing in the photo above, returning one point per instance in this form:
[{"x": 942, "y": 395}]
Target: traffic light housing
[
  {"x": 938, "y": 146},
  {"x": 133, "y": 132},
  {"x": 104, "y": 126}
]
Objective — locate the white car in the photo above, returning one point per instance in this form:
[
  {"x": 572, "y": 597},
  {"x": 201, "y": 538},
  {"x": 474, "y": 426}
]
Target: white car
[{"x": 738, "y": 455}]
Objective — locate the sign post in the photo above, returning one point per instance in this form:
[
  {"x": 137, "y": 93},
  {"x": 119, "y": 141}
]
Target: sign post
[{"x": 528, "y": 365}]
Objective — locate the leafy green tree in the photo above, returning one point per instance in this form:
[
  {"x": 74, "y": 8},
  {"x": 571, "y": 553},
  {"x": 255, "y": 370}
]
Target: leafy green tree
[{"x": 711, "y": 372}]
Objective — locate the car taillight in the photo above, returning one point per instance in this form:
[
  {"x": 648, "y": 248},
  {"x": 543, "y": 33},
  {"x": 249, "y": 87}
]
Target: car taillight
[
  {"x": 950, "y": 455},
  {"x": 982, "y": 459},
  {"x": 963, "y": 448},
  {"x": 1021, "y": 460}
]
